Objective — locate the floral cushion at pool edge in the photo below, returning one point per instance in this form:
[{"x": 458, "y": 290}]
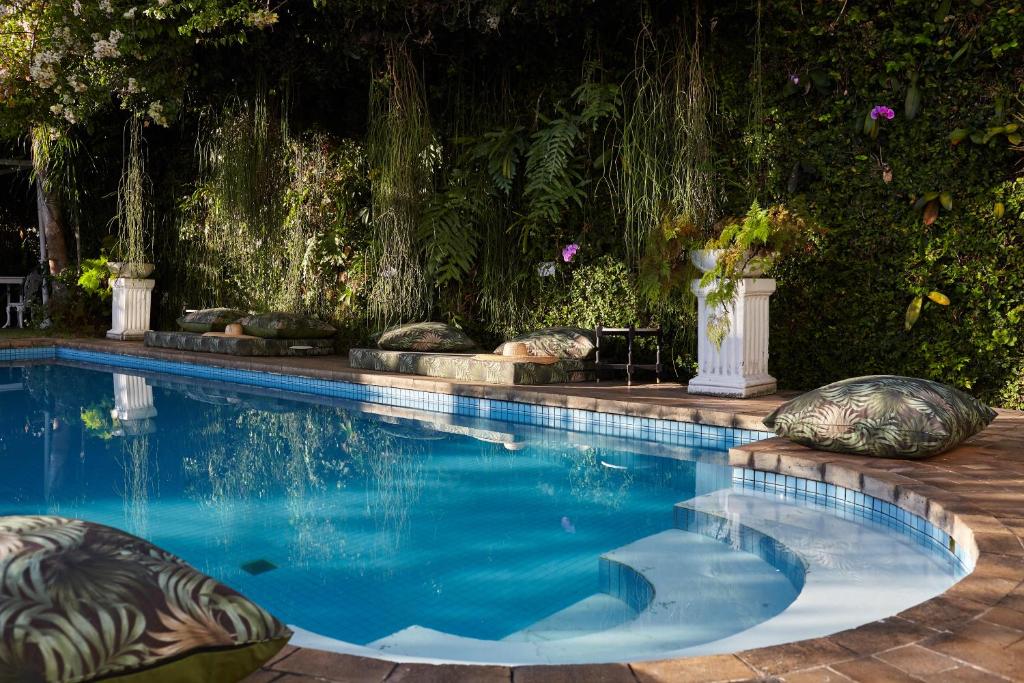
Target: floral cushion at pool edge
[
  {"x": 881, "y": 415},
  {"x": 209, "y": 319},
  {"x": 560, "y": 342},
  {"x": 81, "y": 601},
  {"x": 425, "y": 337},
  {"x": 285, "y": 326}
]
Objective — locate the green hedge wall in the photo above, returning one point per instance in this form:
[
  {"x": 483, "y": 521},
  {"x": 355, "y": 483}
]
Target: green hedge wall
[{"x": 841, "y": 304}]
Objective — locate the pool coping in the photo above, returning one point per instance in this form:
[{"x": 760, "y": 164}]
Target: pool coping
[{"x": 975, "y": 493}]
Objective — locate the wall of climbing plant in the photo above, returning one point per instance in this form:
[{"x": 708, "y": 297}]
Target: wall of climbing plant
[{"x": 377, "y": 161}]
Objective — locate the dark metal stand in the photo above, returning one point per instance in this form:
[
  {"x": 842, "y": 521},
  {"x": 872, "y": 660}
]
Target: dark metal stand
[{"x": 630, "y": 333}]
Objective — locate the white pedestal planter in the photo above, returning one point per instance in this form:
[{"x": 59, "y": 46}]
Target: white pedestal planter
[
  {"x": 133, "y": 299},
  {"x": 739, "y": 367},
  {"x": 133, "y": 404}
]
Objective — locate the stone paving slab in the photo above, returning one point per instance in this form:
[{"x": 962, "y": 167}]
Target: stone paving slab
[{"x": 973, "y": 632}]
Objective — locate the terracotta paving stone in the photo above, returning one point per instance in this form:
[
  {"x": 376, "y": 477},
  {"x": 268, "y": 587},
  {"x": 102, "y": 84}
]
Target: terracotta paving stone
[
  {"x": 586, "y": 673},
  {"x": 992, "y": 634},
  {"x": 804, "y": 654},
  {"x": 821, "y": 674},
  {"x": 692, "y": 670},
  {"x": 262, "y": 676},
  {"x": 891, "y": 632},
  {"x": 334, "y": 666},
  {"x": 917, "y": 661},
  {"x": 1004, "y": 662},
  {"x": 284, "y": 652},
  {"x": 871, "y": 670},
  {"x": 974, "y": 492},
  {"x": 966, "y": 674},
  {"x": 449, "y": 673}
]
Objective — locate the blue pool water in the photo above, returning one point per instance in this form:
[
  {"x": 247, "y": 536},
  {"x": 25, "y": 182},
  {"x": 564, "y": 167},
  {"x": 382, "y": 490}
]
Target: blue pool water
[{"x": 389, "y": 528}]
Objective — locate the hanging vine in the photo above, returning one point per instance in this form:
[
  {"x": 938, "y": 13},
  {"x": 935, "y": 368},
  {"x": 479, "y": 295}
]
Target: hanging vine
[{"x": 402, "y": 153}]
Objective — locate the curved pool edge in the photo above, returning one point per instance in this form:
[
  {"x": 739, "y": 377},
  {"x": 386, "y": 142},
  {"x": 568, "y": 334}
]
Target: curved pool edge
[{"x": 975, "y": 493}]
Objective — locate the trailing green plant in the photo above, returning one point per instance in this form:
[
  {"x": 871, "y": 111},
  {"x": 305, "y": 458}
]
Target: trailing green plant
[
  {"x": 747, "y": 247},
  {"x": 666, "y": 161},
  {"x": 134, "y": 223},
  {"x": 275, "y": 222},
  {"x": 403, "y": 153}
]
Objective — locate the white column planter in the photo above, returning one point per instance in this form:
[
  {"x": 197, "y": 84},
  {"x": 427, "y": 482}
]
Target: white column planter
[
  {"x": 133, "y": 398},
  {"x": 739, "y": 368},
  {"x": 133, "y": 405},
  {"x": 132, "y": 301}
]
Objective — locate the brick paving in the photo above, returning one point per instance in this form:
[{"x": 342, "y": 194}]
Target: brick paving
[{"x": 972, "y": 632}]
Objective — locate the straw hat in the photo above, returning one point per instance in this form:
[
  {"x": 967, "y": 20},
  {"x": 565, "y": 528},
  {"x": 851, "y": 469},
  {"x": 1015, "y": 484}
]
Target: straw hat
[
  {"x": 516, "y": 352},
  {"x": 231, "y": 330}
]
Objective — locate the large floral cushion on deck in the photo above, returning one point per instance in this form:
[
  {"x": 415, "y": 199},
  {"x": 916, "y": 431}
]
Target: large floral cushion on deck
[
  {"x": 560, "y": 342},
  {"x": 209, "y": 319},
  {"x": 82, "y": 601},
  {"x": 425, "y": 337},
  {"x": 286, "y": 326},
  {"x": 881, "y": 415}
]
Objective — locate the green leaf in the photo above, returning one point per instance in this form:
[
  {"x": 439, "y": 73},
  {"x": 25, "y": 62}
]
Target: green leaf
[
  {"x": 999, "y": 209},
  {"x": 870, "y": 125},
  {"x": 947, "y": 201},
  {"x": 939, "y": 298},
  {"x": 958, "y": 135},
  {"x": 1014, "y": 138},
  {"x": 913, "y": 313},
  {"x": 912, "y": 105}
]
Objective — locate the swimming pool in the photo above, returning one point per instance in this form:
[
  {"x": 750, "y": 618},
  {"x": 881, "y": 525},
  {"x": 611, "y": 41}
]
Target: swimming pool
[{"x": 410, "y": 534}]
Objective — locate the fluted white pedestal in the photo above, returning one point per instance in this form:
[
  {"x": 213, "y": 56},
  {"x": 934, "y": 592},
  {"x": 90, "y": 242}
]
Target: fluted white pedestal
[
  {"x": 133, "y": 405},
  {"x": 133, "y": 299},
  {"x": 739, "y": 367}
]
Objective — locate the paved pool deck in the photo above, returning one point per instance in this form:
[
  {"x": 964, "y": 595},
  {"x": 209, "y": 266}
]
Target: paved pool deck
[{"x": 972, "y": 632}]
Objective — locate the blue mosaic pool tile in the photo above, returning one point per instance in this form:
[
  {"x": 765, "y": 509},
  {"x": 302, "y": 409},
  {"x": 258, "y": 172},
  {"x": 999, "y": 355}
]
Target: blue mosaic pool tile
[
  {"x": 601, "y": 424},
  {"x": 853, "y": 504}
]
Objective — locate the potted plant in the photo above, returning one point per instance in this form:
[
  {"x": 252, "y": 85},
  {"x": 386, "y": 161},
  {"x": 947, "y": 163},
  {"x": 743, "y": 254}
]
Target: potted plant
[
  {"x": 129, "y": 265},
  {"x": 745, "y": 247}
]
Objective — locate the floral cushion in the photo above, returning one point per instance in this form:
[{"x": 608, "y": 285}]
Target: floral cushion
[
  {"x": 286, "y": 326},
  {"x": 560, "y": 342},
  {"x": 209, "y": 319},
  {"x": 81, "y": 601},
  {"x": 425, "y": 337},
  {"x": 881, "y": 415}
]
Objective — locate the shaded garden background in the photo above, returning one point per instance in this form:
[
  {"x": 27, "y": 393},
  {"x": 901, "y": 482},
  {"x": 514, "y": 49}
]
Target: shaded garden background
[{"x": 371, "y": 161}]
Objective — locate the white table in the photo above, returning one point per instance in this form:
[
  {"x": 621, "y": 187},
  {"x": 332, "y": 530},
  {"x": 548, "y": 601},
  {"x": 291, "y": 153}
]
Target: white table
[{"x": 10, "y": 282}]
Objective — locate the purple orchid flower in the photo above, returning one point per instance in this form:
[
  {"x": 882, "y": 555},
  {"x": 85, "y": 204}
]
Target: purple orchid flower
[
  {"x": 569, "y": 251},
  {"x": 883, "y": 111}
]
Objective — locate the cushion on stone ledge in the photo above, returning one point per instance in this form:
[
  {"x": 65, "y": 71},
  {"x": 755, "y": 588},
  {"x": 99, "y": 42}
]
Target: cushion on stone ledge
[
  {"x": 209, "y": 319},
  {"x": 881, "y": 415},
  {"x": 560, "y": 342},
  {"x": 82, "y": 601},
  {"x": 286, "y": 326},
  {"x": 425, "y": 337}
]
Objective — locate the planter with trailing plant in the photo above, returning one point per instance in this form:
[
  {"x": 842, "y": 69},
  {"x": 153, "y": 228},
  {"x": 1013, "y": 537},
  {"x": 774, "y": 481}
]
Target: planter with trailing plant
[
  {"x": 732, "y": 301},
  {"x": 130, "y": 271}
]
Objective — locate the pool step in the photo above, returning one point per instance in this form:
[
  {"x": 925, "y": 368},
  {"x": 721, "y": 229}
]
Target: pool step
[{"x": 596, "y": 613}]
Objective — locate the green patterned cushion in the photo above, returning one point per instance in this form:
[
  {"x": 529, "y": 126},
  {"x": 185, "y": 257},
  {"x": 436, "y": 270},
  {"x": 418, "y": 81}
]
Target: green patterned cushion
[
  {"x": 881, "y": 415},
  {"x": 209, "y": 319},
  {"x": 425, "y": 337},
  {"x": 82, "y": 601},
  {"x": 560, "y": 342},
  {"x": 286, "y": 326}
]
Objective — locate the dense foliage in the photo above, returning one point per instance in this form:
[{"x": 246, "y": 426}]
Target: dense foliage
[{"x": 371, "y": 161}]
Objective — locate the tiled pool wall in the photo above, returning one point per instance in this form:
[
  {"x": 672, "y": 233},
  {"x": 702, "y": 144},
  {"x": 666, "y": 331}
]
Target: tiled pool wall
[
  {"x": 742, "y": 537},
  {"x": 854, "y": 505},
  {"x": 625, "y": 583},
  {"x": 845, "y": 502},
  {"x": 572, "y": 419}
]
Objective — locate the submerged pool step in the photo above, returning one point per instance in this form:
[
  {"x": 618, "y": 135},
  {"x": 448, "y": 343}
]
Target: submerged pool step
[{"x": 596, "y": 613}]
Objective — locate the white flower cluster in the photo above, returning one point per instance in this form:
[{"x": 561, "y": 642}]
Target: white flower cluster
[
  {"x": 42, "y": 70},
  {"x": 76, "y": 8},
  {"x": 107, "y": 48},
  {"x": 106, "y": 7},
  {"x": 156, "y": 112}
]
